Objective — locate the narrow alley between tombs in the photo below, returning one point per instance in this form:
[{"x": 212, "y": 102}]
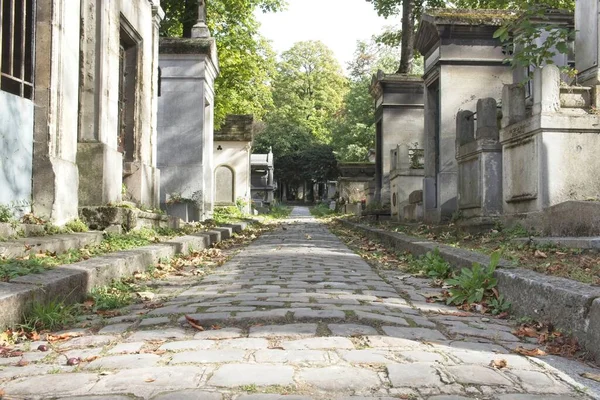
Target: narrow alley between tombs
[{"x": 294, "y": 315}]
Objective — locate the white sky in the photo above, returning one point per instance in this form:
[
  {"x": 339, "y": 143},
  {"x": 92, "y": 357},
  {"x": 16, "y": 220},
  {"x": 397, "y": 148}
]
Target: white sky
[{"x": 337, "y": 23}]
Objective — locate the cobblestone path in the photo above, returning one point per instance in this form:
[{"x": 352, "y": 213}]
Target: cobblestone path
[{"x": 301, "y": 317}]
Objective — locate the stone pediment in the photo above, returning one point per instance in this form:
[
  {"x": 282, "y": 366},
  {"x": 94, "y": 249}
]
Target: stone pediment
[{"x": 357, "y": 170}]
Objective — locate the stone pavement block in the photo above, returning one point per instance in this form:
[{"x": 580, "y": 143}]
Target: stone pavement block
[
  {"x": 484, "y": 358},
  {"x": 422, "y": 356},
  {"x": 120, "y": 348},
  {"x": 87, "y": 341},
  {"x": 53, "y": 385},
  {"x": 333, "y": 314},
  {"x": 114, "y": 329},
  {"x": 448, "y": 397},
  {"x": 492, "y": 334},
  {"x": 233, "y": 375},
  {"x": 292, "y": 356},
  {"x": 244, "y": 343},
  {"x": 271, "y": 397},
  {"x": 318, "y": 343},
  {"x": 534, "y": 397},
  {"x": 190, "y": 394},
  {"x": 538, "y": 382},
  {"x": 124, "y": 361},
  {"x": 393, "y": 342},
  {"x": 342, "y": 379},
  {"x": 367, "y": 356},
  {"x": 413, "y": 333},
  {"x": 417, "y": 375},
  {"x": 208, "y": 356},
  {"x": 154, "y": 321},
  {"x": 289, "y": 330},
  {"x": 164, "y": 334},
  {"x": 477, "y": 375},
  {"x": 225, "y": 333},
  {"x": 351, "y": 329},
  {"x": 382, "y": 318},
  {"x": 106, "y": 397},
  {"x": 144, "y": 382},
  {"x": 188, "y": 345}
]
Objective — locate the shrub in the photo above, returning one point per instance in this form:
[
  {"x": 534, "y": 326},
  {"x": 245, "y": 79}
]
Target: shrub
[{"x": 472, "y": 285}]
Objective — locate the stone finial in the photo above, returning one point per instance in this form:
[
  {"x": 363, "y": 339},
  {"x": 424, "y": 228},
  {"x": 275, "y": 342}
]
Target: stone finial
[
  {"x": 487, "y": 119},
  {"x": 200, "y": 30},
  {"x": 465, "y": 128}
]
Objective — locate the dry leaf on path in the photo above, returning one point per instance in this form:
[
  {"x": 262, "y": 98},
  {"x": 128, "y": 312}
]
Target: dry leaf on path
[
  {"x": 63, "y": 336},
  {"x": 540, "y": 254},
  {"x": 589, "y": 375},
  {"x": 499, "y": 364},
  {"x": 149, "y": 380},
  {"x": 276, "y": 348},
  {"x": 22, "y": 363},
  {"x": 526, "y": 331},
  {"x": 531, "y": 353},
  {"x": 194, "y": 323}
]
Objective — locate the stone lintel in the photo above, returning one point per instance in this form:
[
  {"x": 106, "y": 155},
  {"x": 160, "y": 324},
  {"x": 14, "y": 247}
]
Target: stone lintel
[
  {"x": 550, "y": 122},
  {"x": 237, "y": 128},
  {"x": 398, "y": 83}
]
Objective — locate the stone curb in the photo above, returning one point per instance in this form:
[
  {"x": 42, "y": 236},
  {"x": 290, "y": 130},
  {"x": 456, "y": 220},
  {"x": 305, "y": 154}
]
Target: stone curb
[
  {"x": 53, "y": 243},
  {"x": 570, "y": 305},
  {"x": 71, "y": 283}
]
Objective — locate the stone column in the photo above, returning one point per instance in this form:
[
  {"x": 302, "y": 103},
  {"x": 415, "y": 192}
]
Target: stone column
[
  {"x": 587, "y": 45},
  {"x": 55, "y": 177}
]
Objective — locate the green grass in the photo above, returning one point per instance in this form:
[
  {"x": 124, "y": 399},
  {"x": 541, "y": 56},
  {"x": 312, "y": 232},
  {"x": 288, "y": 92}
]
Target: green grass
[
  {"x": 225, "y": 215},
  {"x": 50, "y": 316},
  {"x": 321, "y": 210},
  {"x": 11, "y": 268},
  {"x": 278, "y": 211}
]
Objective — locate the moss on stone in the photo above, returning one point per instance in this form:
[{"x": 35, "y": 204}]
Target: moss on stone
[
  {"x": 185, "y": 45},
  {"x": 471, "y": 17}
]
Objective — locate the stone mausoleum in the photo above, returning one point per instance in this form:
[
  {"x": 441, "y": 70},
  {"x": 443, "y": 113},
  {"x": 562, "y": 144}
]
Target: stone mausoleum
[
  {"x": 91, "y": 70},
  {"x": 463, "y": 62},
  {"x": 232, "y": 148},
  {"x": 188, "y": 68}
]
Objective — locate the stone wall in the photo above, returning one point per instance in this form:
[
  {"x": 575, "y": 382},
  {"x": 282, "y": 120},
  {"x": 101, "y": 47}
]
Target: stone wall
[{"x": 16, "y": 152}]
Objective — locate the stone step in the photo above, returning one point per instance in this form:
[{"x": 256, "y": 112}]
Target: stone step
[{"x": 51, "y": 243}]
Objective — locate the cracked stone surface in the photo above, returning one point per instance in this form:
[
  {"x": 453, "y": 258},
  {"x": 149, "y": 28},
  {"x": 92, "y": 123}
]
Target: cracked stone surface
[{"x": 295, "y": 315}]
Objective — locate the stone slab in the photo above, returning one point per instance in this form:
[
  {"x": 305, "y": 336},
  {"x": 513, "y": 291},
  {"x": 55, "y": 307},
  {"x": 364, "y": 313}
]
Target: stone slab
[
  {"x": 337, "y": 378},
  {"x": 417, "y": 375},
  {"x": 233, "y": 375}
]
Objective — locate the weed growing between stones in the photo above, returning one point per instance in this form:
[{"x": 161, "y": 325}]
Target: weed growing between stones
[
  {"x": 432, "y": 265},
  {"x": 52, "y": 315}
]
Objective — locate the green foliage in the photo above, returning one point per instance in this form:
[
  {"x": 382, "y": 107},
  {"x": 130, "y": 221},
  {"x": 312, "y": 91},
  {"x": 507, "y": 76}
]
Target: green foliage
[
  {"x": 498, "y": 305},
  {"x": 321, "y": 210},
  {"x": 6, "y": 213},
  {"x": 76, "y": 225},
  {"x": 277, "y": 211},
  {"x": 11, "y": 268},
  {"x": 472, "y": 285},
  {"x": 431, "y": 264},
  {"x": 50, "y": 316},
  {"x": 224, "y": 215},
  {"x": 246, "y": 60},
  {"x": 309, "y": 88},
  {"x": 111, "y": 297},
  {"x": 390, "y": 8},
  {"x": 522, "y": 36}
]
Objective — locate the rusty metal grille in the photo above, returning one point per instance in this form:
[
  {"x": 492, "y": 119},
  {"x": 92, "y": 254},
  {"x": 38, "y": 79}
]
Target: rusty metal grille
[{"x": 17, "y": 47}]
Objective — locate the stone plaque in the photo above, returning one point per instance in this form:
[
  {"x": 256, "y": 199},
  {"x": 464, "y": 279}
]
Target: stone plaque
[
  {"x": 521, "y": 170},
  {"x": 469, "y": 183},
  {"x": 224, "y": 185},
  {"x": 586, "y": 43}
]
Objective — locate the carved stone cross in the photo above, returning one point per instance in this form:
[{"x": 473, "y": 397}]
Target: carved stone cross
[{"x": 200, "y": 30}]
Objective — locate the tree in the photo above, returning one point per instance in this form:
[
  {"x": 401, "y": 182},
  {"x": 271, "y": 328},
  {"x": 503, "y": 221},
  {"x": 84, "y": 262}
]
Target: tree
[
  {"x": 246, "y": 59},
  {"x": 353, "y": 132},
  {"x": 309, "y": 87}
]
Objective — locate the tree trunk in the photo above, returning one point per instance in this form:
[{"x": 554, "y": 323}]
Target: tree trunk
[
  {"x": 190, "y": 17},
  {"x": 408, "y": 36}
]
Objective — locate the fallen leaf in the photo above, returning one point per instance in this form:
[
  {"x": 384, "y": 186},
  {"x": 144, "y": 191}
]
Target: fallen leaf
[
  {"x": 63, "y": 336},
  {"x": 194, "y": 323},
  {"x": 90, "y": 358},
  {"x": 526, "y": 331},
  {"x": 276, "y": 348},
  {"x": 589, "y": 375},
  {"x": 149, "y": 380},
  {"x": 2, "y": 393},
  {"x": 531, "y": 353},
  {"x": 540, "y": 254},
  {"x": 215, "y": 327},
  {"x": 499, "y": 364},
  {"x": 22, "y": 363}
]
